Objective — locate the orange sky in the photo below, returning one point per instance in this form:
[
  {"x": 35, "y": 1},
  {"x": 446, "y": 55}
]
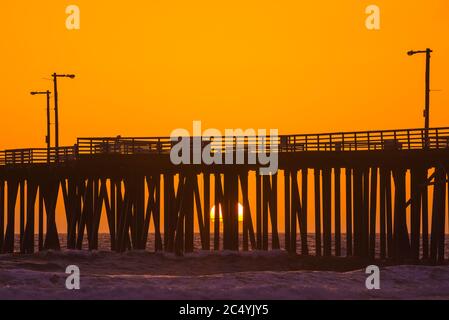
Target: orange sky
[{"x": 145, "y": 68}]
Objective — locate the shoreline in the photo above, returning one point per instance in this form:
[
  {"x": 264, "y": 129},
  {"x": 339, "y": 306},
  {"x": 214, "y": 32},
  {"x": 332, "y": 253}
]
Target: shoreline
[
  {"x": 212, "y": 276},
  {"x": 198, "y": 263}
]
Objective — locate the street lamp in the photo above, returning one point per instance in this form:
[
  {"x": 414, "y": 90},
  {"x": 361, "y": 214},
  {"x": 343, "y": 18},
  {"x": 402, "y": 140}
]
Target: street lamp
[
  {"x": 427, "y": 94},
  {"x": 55, "y": 82},
  {"x": 47, "y": 138}
]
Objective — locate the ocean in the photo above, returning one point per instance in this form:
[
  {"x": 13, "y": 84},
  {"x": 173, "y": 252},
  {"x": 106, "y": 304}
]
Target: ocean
[
  {"x": 211, "y": 275},
  {"x": 104, "y": 243}
]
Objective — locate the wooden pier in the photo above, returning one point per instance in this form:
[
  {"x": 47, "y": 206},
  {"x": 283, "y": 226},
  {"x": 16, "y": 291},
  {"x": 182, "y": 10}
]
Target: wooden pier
[{"x": 378, "y": 194}]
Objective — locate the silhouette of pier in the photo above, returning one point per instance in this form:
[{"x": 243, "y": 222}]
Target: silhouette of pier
[{"x": 378, "y": 183}]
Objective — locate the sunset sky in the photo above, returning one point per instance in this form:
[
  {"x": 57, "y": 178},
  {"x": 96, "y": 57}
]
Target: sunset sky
[{"x": 145, "y": 68}]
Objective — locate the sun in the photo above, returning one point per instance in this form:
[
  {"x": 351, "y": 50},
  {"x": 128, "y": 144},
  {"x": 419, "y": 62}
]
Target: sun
[{"x": 212, "y": 213}]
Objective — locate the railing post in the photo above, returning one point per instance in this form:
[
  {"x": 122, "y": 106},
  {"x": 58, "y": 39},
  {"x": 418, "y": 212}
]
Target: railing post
[
  {"x": 382, "y": 139},
  {"x": 408, "y": 139},
  {"x": 75, "y": 151},
  {"x": 438, "y": 140},
  {"x": 369, "y": 142}
]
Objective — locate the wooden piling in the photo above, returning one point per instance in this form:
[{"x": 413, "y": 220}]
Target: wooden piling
[
  {"x": 265, "y": 204},
  {"x": 259, "y": 210},
  {"x": 349, "y": 229},
  {"x": 400, "y": 235},
  {"x": 2, "y": 214},
  {"x": 139, "y": 212},
  {"x": 207, "y": 207},
  {"x": 415, "y": 191},
  {"x": 317, "y": 212},
  {"x": 327, "y": 218},
  {"x": 51, "y": 190},
  {"x": 287, "y": 207},
  {"x": 85, "y": 212},
  {"x": 365, "y": 213},
  {"x": 273, "y": 205},
  {"x": 304, "y": 212},
  {"x": 234, "y": 211},
  {"x": 41, "y": 220},
  {"x": 28, "y": 242},
  {"x": 218, "y": 205},
  {"x": 389, "y": 214},
  {"x": 227, "y": 225},
  {"x": 438, "y": 217},
  {"x": 358, "y": 211},
  {"x": 382, "y": 212},
  {"x": 373, "y": 213},
  {"x": 425, "y": 215},
  {"x": 120, "y": 203},
  {"x": 180, "y": 222},
  {"x": 153, "y": 210},
  {"x": 69, "y": 197},
  {"x": 199, "y": 213},
  {"x": 22, "y": 215},
  {"x": 113, "y": 213},
  {"x": 294, "y": 209},
  {"x": 157, "y": 214},
  {"x": 169, "y": 211},
  {"x": 337, "y": 206},
  {"x": 248, "y": 228},
  {"x": 8, "y": 245},
  {"x": 189, "y": 213}
]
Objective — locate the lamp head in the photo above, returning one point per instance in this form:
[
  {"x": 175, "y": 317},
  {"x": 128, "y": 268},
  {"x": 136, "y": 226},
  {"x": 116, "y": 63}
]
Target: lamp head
[
  {"x": 33, "y": 93},
  {"x": 71, "y": 76}
]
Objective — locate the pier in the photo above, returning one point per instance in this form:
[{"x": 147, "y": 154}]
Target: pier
[{"x": 364, "y": 185}]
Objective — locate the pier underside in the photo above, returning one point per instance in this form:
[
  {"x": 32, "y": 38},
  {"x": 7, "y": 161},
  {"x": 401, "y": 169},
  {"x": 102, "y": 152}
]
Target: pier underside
[{"x": 369, "y": 203}]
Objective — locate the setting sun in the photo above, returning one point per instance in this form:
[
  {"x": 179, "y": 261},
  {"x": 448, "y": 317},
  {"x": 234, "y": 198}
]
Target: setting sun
[{"x": 212, "y": 213}]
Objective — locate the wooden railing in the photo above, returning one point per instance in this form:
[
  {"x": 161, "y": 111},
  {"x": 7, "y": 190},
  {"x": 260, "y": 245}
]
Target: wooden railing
[
  {"x": 386, "y": 140},
  {"x": 407, "y": 139},
  {"x": 37, "y": 156}
]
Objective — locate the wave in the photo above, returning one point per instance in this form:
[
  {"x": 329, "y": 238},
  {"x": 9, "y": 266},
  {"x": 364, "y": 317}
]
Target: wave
[{"x": 398, "y": 282}]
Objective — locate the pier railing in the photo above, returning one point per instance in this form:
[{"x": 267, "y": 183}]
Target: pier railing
[
  {"x": 37, "y": 156},
  {"x": 406, "y": 139}
]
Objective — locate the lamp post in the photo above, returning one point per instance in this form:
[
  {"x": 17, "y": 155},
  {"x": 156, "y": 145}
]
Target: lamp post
[
  {"x": 55, "y": 82},
  {"x": 427, "y": 93},
  {"x": 47, "y": 138}
]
